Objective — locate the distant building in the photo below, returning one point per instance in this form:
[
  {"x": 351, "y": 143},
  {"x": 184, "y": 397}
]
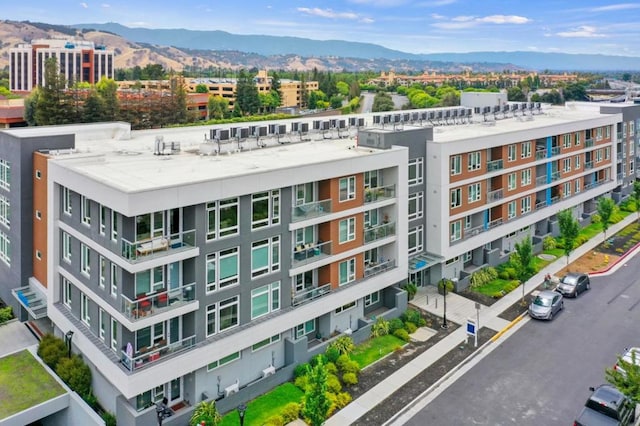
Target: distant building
[{"x": 78, "y": 60}]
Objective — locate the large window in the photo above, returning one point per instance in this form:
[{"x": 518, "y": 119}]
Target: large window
[
  {"x": 150, "y": 280},
  {"x": 265, "y": 299},
  {"x": 474, "y": 161},
  {"x": 577, "y": 162},
  {"x": 5, "y": 174},
  {"x": 304, "y": 193},
  {"x": 85, "y": 260},
  {"x": 372, "y": 299},
  {"x": 566, "y": 165},
  {"x": 474, "y": 192},
  {"x": 66, "y": 200},
  {"x": 103, "y": 272},
  {"x": 222, "y": 269},
  {"x": 416, "y": 171},
  {"x": 66, "y": 292},
  {"x": 566, "y": 190},
  {"x": 265, "y": 209},
  {"x": 84, "y": 309},
  {"x": 415, "y": 240},
  {"x": 511, "y": 210},
  {"x": 114, "y": 335},
  {"x": 372, "y": 179},
  {"x": 266, "y": 342},
  {"x": 114, "y": 225},
  {"x": 525, "y": 177},
  {"x": 525, "y": 150},
  {"x": 415, "y": 205},
  {"x": 114, "y": 280},
  {"x": 66, "y": 247},
  {"x": 85, "y": 210},
  {"x": 347, "y": 188},
  {"x": 223, "y": 361},
  {"x": 525, "y": 205},
  {"x": 576, "y": 138},
  {"x": 303, "y": 329},
  {"x": 456, "y": 198},
  {"x": 222, "y": 218},
  {"x": 347, "y": 271},
  {"x": 456, "y": 165},
  {"x": 222, "y": 315},
  {"x": 102, "y": 318},
  {"x": 511, "y": 152},
  {"x": 347, "y": 230},
  {"x": 265, "y": 256},
  {"x": 566, "y": 141},
  {"x": 103, "y": 219},
  {"x": 5, "y": 211},
  {"x": 456, "y": 230}
]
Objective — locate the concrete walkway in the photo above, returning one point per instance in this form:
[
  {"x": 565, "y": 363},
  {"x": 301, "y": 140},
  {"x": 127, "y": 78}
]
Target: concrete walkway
[
  {"x": 15, "y": 336},
  {"x": 458, "y": 310}
]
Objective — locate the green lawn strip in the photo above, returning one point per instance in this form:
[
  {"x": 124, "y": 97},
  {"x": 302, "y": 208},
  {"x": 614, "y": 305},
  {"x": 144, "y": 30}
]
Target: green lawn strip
[
  {"x": 24, "y": 383},
  {"x": 265, "y": 406},
  {"x": 557, "y": 252},
  {"x": 493, "y": 287},
  {"x": 373, "y": 349}
]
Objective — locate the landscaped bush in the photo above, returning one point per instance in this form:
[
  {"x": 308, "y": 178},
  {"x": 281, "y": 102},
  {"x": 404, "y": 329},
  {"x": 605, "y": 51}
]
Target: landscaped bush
[
  {"x": 333, "y": 383},
  {"x": 411, "y": 290},
  {"x": 314, "y": 361},
  {"x": 595, "y": 218},
  {"x": 410, "y": 327},
  {"x": 411, "y": 315},
  {"x": 338, "y": 401},
  {"x": 331, "y": 368},
  {"x": 109, "y": 418},
  {"x": 301, "y": 382},
  {"x": 350, "y": 367},
  {"x": 332, "y": 354},
  {"x": 402, "y": 334},
  {"x": 395, "y": 324},
  {"x": 379, "y": 328},
  {"x": 349, "y": 379},
  {"x": 503, "y": 275},
  {"x": 344, "y": 345},
  {"x": 300, "y": 370},
  {"x": 549, "y": 243},
  {"x": 5, "y": 314},
  {"x": 483, "y": 276},
  {"x": 512, "y": 273},
  {"x": 276, "y": 420},
  {"x": 342, "y": 361},
  {"x": 75, "y": 373},
  {"x": 290, "y": 412},
  {"x": 580, "y": 240},
  {"x": 51, "y": 349}
]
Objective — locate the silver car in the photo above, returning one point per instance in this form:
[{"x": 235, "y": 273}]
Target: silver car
[
  {"x": 572, "y": 284},
  {"x": 546, "y": 304}
]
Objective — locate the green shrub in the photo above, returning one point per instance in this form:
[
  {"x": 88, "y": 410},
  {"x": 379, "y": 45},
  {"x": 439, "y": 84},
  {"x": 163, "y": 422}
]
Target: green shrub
[
  {"x": 333, "y": 383},
  {"x": 300, "y": 370},
  {"x": 344, "y": 344},
  {"x": 595, "y": 218},
  {"x": 380, "y": 327},
  {"x": 411, "y": 315},
  {"x": 410, "y": 327},
  {"x": 343, "y": 398},
  {"x": 276, "y": 420},
  {"x": 301, "y": 383},
  {"x": 290, "y": 412},
  {"x": 483, "y": 276},
  {"x": 52, "y": 349},
  {"x": 91, "y": 400},
  {"x": 6, "y": 314},
  {"x": 350, "y": 367},
  {"x": 445, "y": 283},
  {"x": 504, "y": 275},
  {"x": 549, "y": 243},
  {"x": 332, "y": 354},
  {"x": 511, "y": 285},
  {"x": 314, "y": 361},
  {"x": 342, "y": 361},
  {"x": 349, "y": 379},
  {"x": 512, "y": 273},
  {"x": 395, "y": 324},
  {"x": 411, "y": 290},
  {"x": 75, "y": 373},
  {"x": 402, "y": 334},
  {"x": 109, "y": 418},
  {"x": 580, "y": 240},
  {"x": 331, "y": 368}
]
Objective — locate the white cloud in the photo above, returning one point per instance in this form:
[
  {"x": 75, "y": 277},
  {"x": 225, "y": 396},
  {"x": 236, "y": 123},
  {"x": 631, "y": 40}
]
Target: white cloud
[
  {"x": 436, "y": 3},
  {"x": 105, "y": 5},
  {"x": 331, "y": 14},
  {"x": 381, "y": 3},
  {"x": 584, "y": 31},
  {"x": 437, "y": 16},
  {"x": 463, "y": 21},
  {"x": 504, "y": 19},
  {"x": 614, "y": 7},
  {"x": 84, "y": 5},
  {"x": 462, "y": 18}
]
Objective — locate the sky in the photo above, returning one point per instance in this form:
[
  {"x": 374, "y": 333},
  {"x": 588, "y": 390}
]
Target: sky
[{"x": 414, "y": 26}]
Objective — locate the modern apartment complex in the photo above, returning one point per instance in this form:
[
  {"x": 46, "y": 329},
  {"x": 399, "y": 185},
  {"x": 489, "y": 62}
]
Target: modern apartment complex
[
  {"x": 78, "y": 60},
  {"x": 202, "y": 264}
]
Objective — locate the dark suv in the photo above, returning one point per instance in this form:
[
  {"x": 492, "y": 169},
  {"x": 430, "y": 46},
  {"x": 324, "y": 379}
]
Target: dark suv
[
  {"x": 606, "y": 406},
  {"x": 572, "y": 284}
]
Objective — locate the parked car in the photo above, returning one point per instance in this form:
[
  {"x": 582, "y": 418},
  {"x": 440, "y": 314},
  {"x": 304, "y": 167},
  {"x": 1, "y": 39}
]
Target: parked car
[
  {"x": 629, "y": 357},
  {"x": 546, "y": 304},
  {"x": 572, "y": 284},
  {"x": 606, "y": 406}
]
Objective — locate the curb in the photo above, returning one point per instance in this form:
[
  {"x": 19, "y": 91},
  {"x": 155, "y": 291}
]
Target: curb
[
  {"x": 508, "y": 327},
  {"x": 619, "y": 260}
]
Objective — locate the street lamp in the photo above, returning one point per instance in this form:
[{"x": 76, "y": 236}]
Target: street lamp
[
  {"x": 67, "y": 338},
  {"x": 443, "y": 283},
  {"x": 241, "y": 410}
]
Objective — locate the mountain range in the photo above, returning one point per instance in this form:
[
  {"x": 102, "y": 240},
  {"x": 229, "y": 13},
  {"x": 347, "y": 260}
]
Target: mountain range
[{"x": 179, "y": 48}]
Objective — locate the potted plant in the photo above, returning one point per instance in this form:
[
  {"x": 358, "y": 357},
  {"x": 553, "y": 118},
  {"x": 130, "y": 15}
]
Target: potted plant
[{"x": 445, "y": 284}]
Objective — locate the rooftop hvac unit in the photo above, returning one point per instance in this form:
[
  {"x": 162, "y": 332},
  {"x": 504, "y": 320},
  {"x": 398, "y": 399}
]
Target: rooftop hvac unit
[
  {"x": 333, "y": 124},
  {"x": 514, "y": 107},
  {"x": 252, "y": 131},
  {"x": 496, "y": 108},
  {"x": 272, "y": 129},
  {"x": 386, "y": 119},
  {"x": 406, "y": 117},
  {"x": 281, "y": 129},
  {"x": 376, "y": 119},
  {"x": 317, "y": 125},
  {"x": 415, "y": 116},
  {"x": 295, "y": 127},
  {"x": 432, "y": 115},
  {"x": 222, "y": 134},
  {"x": 438, "y": 114},
  {"x": 304, "y": 128},
  {"x": 360, "y": 122},
  {"x": 463, "y": 112},
  {"x": 397, "y": 118},
  {"x": 352, "y": 121},
  {"x": 423, "y": 116},
  {"x": 262, "y": 131},
  {"x": 325, "y": 125},
  {"x": 505, "y": 108},
  {"x": 469, "y": 112},
  {"x": 447, "y": 114},
  {"x": 342, "y": 124}
]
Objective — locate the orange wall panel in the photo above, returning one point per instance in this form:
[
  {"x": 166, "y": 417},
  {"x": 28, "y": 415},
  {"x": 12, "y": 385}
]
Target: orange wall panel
[{"x": 40, "y": 225}]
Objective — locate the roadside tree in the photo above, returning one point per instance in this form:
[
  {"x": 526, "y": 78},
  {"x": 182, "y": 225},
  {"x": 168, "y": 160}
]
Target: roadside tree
[{"x": 569, "y": 230}]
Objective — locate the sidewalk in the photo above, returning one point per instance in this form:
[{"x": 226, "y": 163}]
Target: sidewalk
[{"x": 458, "y": 310}]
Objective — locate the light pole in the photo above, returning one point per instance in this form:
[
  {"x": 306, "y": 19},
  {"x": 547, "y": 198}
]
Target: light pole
[
  {"x": 443, "y": 283},
  {"x": 241, "y": 410},
  {"x": 67, "y": 338}
]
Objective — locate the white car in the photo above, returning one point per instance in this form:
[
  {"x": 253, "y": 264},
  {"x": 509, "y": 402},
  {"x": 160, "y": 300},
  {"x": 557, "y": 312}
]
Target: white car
[{"x": 630, "y": 355}]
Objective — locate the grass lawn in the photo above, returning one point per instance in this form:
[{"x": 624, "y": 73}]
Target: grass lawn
[
  {"x": 265, "y": 406},
  {"x": 24, "y": 383},
  {"x": 493, "y": 287},
  {"x": 557, "y": 252},
  {"x": 373, "y": 349}
]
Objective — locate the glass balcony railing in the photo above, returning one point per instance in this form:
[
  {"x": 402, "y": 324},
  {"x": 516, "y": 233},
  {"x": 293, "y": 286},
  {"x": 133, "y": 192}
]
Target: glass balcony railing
[
  {"x": 310, "y": 210},
  {"x": 145, "y": 356},
  {"x": 161, "y": 245},
  {"x": 541, "y": 154},
  {"x": 541, "y": 180},
  {"x": 310, "y": 294},
  {"x": 620, "y": 135},
  {"x": 494, "y": 165},
  {"x": 588, "y": 165},
  {"x": 373, "y": 268},
  {"x": 377, "y": 232},
  {"x": 311, "y": 252},
  {"x": 494, "y": 195},
  {"x": 555, "y": 176},
  {"x": 555, "y": 150},
  {"x": 372, "y": 195},
  {"x": 159, "y": 302},
  {"x": 494, "y": 223},
  {"x": 589, "y": 143}
]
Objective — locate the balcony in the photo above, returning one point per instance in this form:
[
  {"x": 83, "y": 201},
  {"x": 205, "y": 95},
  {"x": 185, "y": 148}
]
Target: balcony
[
  {"x": 311, "y": 252},
  {"x": 620, "y": 156},
  {"x": 31, "y": 301},
  {"x": 158, "y": 246},
  {"x": 555, "y": 150},
  {"x": 494, "y": 165},
  {"x": 377, "y": 232},
  {"x": 620, "y": 135},
  {"x": 588, "y": 165},
  {"x": 310, "y": 210},
  {"x": 541, "y": 180},
  {"x": 494, "y": 223},
  {"x": 374, "y": 268},
  {"x": 494, "y": 195},
  {"x": 541, "y": 204},
  {"x": 541, "y": 154},
  {"x": 589, "y": 143},
  {"x": 154, "y": 304},
  {"x": 555, "y": 176},
  {"x": 372, "y": 195},
  {"x": 159, "y": 350},
  {"x": 305, "y": 296}
]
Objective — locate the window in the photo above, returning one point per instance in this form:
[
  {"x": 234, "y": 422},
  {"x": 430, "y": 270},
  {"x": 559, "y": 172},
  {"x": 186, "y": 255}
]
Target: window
[
  {"x": 84, "y": 308},
  {"x": 5, "y": 248},
  {"x": 303, "y": 329},
  {"x": 456, "y": 198},
  {"x": 347, "y": 271},
  {"x": 5, "y": 211},
  {"x": 114, "y": 280},
  {"x": 456, "y": 230},
  {"x": 576, "y": 138},
  {"x": 346, "y": 307},
  {"x": 265, "y": 299},
  {"x": 222, "y": 218},
  {"x": 525, "y": 177},
  {"x": 304, "y": 193},
  {"x": 456, "y": 165},
  {"x": 85, "y": 259},
  {"x": 630, "y": 168},
  {"x": 415, "y": 240},
  {"x": 632, "y": 128},
  {"x": 624, "y": 129},
  {"x": 222, "y": 269},
  {"x": 265, "y": 209},
  {"x": 265, "y": 256},
  {"x": 467, "y": 256},
  {"x": 467, "y": 222},
  {"x": 576, "y": 161},
  {"x": 566, "y": 190},
  {"x": 473, "y": 161},
  {"x": 598, "y": 153},
  {"x": 415, "y": 205},
  {"x": 114, "y": 335},
  {"x": 66, "y": 247},
  {"x": 114, "y": 225},
  {"x": 103, "y": 271},
  {"x": 266, "y": 342},
  {"x": 102, "y": 318},
  {"x": 511, "y": 210},
  {"x": 607, "y": 153},
  {"x": 5, "y": 174},
  {"x": 474, "y": 192},
  {"x": 607, "y": 132},
  {"x": 222, "y": 361},
  {"x": 347, "y": 230},
  {"x": 372, "y": 299},
  {"x": 599, "y": 133},
  {"x": 66, "y": 292},
  {"x": 222, "y": 316},
  {"x": 38, "y": 215},
  {"x": 66, "y": 200},
  {"x": 566, "y": 141},
  {"x": 578, "y": 187},
  {"x": 85, "y": 210},
  {"x": 511, "y": 181},
  {"x": 511, "y": 152},
  {"x": 103, "y": 219},
  {"x": 150, "y": 280},
  {"x": 38, "y": 174},
  {"x": 525, "y": 205},
  {"x": 38, "y": 254},
  {"x": 416, "y": 171},
  {"x": 525, "y": 150},
  {"x": 347, "y": 188},
  {"x": 566, "y": 165},
  {"x": 372, "y": 179}
]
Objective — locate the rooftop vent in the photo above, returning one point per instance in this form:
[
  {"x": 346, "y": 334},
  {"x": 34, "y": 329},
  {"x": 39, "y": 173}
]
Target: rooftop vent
[{"x": 161, "y": 147}]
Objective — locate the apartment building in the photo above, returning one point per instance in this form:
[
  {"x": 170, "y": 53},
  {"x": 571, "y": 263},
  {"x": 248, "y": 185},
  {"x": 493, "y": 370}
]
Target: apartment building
[{"x": 78, "y": 60}]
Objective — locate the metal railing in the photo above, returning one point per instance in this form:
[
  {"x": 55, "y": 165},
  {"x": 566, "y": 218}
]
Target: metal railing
[
  {"x": 310, "y": 210},
  {"x": 156, "y": 303},
  {"x": 494, "y": 165},
  {"x": 541, "y": 154},
  {"x": 377, "y": 232},
  {"x": 494, "y": 223},
  {"x": 589, "y": 142},
  {"x": 555, "y": 176},
  {"x": 311, "y": 294},
  {"x": 380, "y": 193},
  {"x": 555, "y": 150},
  {"x": 373, "y": 268},
  {"x": 157, "y": 245},
  {"x": 156, "y": 352},
  {"x": 494, "y": 195},
  {"x": 540, "y": 204},
  {"x": 311, "y": 252},
  {"x": 541, "y": 180},
  {"x": 588, "y": 165}
]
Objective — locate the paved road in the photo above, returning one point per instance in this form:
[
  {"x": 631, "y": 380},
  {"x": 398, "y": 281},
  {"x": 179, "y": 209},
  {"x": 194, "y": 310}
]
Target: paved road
[{"x": 541, "y": 374}]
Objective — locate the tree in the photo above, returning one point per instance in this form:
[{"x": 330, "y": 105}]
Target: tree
[
  {"x": 202, "y": 88},
  {"x": 635, "y": 194},
  {"x": 31, "y": 106},
  {"x": 54, "y": 105},
  {"x": 205, "y": 413},
  {"x": 575, "y": 92},
  {"x": 354, "y": 89},
  {"x": 522, "y": 260},
  {"x": 316, "y": 403},
  {"x": 569, "y": 230},
  {"x": 247, "y": 99},
  {"x": 605, "y": 210},
  {"x": 628, "y": 382},
  {"x": 382, "y": 102},
  {"x": 108, "y": 90},
  {"x": 75, "y": 373},
  {"x": 218, "y": 107},
  {"x": 93, "y": 110},
  {"x": 515, "y": 94}
]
